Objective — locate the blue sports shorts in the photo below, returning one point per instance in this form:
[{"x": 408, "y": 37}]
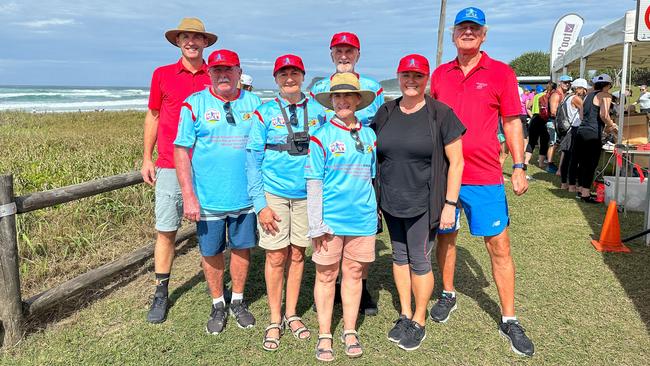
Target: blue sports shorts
[
  {"x": 485, "y": 207},
  {"x": 211, "y": 233}
]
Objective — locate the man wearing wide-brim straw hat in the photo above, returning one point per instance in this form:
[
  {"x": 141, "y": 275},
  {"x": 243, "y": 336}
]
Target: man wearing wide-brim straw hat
[
  {"x": 342, "y": 209},
  {"x": 170, "y": 85}
]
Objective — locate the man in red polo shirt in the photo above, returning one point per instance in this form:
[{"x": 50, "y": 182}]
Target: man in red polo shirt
[
  {"x": 170, "y": 85},
  {"x": 480, "y": 90}
]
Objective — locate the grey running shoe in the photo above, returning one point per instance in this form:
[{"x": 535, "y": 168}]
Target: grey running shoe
[
  {"x": 244, "y": 317},
  {"x": 516, "y": 335},
  {"x": 442, "y": 309},
  {"x": 158, "y": 311},
  {"x": 217, "y": 321},
  {"x": 397, "y": 332},
  {"x": 413, "y": 337}
]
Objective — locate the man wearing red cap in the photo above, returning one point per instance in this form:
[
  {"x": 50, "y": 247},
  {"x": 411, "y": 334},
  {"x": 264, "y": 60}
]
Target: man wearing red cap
[
  {"x": 215, "y": 124},
  {"x": 480, "y": 90},
  {"x": 345, "y": 52},
  {"x": 170, "y": 85}
]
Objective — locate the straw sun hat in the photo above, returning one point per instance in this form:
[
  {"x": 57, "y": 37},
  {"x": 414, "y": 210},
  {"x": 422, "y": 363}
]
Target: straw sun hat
[
  {"x": 194, "y": 25},
  {"x": 345, "y": 83}
]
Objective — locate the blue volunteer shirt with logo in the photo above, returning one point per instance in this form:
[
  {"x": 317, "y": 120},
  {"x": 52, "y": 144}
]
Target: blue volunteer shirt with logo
[
  {"x": 282, "y": 174},
  {"x": 349, "y": 204},
  {"x": 365, "y": 115},
  {"x": 219, "y": 148}
]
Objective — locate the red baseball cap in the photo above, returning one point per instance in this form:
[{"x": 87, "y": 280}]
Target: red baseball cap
[
  {"x": 414, "y": 62},
  {"x": 288, "y": 61},
  {"x": 345, "y": 38},
  {"x": 223, "y": 58}
]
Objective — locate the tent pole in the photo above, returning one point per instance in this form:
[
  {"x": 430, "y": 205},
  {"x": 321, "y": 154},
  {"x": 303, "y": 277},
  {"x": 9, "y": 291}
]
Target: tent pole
[
  {"x": 583, "y": 60},
  {"x": 621, "y": 114}
]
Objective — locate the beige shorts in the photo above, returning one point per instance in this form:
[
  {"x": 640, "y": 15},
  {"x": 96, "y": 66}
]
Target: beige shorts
[
  {"x": 356, "y": 248},
  {"x": 293, "y": 227}
]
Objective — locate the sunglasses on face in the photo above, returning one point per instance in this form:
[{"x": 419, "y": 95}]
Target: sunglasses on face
[
  {"x": 229, "y": 117},
  {"x": 357, "y": 141},
  {"x": 293, "y": 119}
]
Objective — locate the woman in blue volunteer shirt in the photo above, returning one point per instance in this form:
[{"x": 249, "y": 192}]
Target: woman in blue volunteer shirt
[
  {"x": 276, "y": 154},
  {"x": 342, "y": 209}
]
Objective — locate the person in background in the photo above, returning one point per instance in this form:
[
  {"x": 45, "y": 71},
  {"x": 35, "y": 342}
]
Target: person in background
[
  {"x": 418, "y": 188},
  {"x": 644, "y": 99},
  {"x": 554, "y": 103},
  {"x": 246, "y": 82},
  {"x": 214, "y": 125},
  {"x": 170, "y": 85},
  {"x": 568, "y": 164},
  {"x": 537, "y": 131},
  {"x": 491, "y": 86},
  {"x": 276, "y": 154}
]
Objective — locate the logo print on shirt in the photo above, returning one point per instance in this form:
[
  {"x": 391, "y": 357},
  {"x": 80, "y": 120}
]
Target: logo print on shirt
[
  {"x": 337, "y": 148},
  {"x": 312, "y": 123},
  {"x": 471, "y": 13},
  {"x": 277, "y": 122},
  {"x": 212, "y": 115},
  {"x": 480, "y": 86},
  {"x": 246, "y": 116}
]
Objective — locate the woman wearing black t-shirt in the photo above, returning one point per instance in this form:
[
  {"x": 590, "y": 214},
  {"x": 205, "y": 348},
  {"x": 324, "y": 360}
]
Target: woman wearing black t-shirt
[{"x": 420, "y": 164}]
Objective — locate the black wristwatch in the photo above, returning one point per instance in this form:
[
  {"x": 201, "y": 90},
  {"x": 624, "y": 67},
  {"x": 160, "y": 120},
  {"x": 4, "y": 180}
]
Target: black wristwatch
[
  {"x": 522, "y": 166},
  {"x": 451, "y": 203}
]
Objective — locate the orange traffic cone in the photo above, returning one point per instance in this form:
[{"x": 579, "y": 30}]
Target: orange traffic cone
[{"x": 610, "y": 236}]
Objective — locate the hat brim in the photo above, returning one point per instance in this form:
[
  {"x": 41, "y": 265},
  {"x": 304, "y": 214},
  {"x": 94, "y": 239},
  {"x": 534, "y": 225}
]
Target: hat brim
[
  {"x": 325, "y": 98},
  {"x": 173, "y": 33},
  {"x": 472, "y": 20}
]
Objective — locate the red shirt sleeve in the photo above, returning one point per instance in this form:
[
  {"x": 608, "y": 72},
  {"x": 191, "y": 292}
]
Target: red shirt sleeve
[
  {"x": 155, "y": 92},
  {"x": 509, "y": 103},
  {"x": 433, "y": 83}
]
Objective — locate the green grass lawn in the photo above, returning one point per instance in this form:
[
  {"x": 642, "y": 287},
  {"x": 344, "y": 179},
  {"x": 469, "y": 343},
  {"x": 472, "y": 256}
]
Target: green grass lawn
[{"x": 579, "y": 306}]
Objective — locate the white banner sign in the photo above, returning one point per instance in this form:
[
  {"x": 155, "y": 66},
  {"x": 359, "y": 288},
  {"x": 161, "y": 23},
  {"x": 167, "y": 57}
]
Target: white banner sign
[
  {"x": 565, "y": 35},
  {"x": 642, "y": 33}
]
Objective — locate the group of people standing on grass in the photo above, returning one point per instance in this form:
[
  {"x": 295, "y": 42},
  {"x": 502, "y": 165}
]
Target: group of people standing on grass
[
  {"x": 323, "y": 170},
  {"x": 574, "y": 117}
]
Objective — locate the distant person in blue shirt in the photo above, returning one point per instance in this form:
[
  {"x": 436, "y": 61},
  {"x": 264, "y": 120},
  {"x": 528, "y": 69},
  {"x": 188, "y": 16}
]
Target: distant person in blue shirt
[
  {"x": 276, "y": 154},
  {"x": 215, "y": 124},
  {"x": 342, "y": 208},
  {"x": 345, "y": 52}
]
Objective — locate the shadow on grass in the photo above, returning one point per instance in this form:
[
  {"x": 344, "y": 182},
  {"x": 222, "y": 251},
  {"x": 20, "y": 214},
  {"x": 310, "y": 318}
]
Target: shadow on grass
[{"x": 471, "y": 281}]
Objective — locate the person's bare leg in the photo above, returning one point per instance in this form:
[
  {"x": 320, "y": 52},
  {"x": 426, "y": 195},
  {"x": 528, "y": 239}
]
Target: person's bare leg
[
  {"x": 351, "y": 296},
  {"x": 163, "y": 255},
  {"x": 239, "y": 262},
  {"x": 422, "y": 290},
  {"x": 402, "y": 276},
  {"x": 274, "y": 276},
  {"x": 213, "y": 268},
  {"x": 324, "y": 299},
  {"x": 503, "y": 270},
  {"x": 295, "y": 267},
  {"x": 446, "y": 255}
]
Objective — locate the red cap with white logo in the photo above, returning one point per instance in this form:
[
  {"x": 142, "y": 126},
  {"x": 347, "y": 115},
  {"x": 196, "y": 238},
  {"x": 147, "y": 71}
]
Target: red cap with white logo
[
  {"x": 288, "y": 61},
  {"x": 223, "y": 58},
  {"x": 414, "y": 62},
  {"x": 345, "y": 38}
]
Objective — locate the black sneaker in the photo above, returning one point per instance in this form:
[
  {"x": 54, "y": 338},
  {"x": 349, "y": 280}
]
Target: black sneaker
[
  {"x": 516, "y": 335},
  {"x": 217, "y": 321},
  {"x": 367, "y": 306},
  {"x": 413, "y": 336},
  {"x": 397, "y": 332},
  {"x": 441, "y": 310},
  {"x": 158, "y": 311},
  {"x": 239, "y": 310}
]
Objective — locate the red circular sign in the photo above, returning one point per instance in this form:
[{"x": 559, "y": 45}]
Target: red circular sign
[{"x": 647, "y": 17}]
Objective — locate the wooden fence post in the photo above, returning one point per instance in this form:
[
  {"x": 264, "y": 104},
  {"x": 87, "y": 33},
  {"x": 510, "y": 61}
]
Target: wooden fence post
[{"x": 11, "y": 312}]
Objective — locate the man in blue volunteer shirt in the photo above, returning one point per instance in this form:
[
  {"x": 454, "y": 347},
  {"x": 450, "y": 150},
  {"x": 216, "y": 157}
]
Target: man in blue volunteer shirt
[
  {"x": 215, "y": 124},
  {"x": 345, "y": 52},
  {"x": 277, "y": 149}
]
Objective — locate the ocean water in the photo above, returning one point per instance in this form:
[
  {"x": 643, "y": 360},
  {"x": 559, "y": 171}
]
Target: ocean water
[{"x": 39, "y": 99}]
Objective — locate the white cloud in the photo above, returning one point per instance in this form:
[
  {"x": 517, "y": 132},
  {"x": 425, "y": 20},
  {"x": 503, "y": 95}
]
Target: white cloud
[
  {"x": 37, "y": 24},
  {"x": 9, "y": 8}
]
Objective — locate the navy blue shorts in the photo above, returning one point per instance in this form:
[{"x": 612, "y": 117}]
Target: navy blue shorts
[
  {"x": 211, "y": 233},
  {"x": 485, "y": 207}
]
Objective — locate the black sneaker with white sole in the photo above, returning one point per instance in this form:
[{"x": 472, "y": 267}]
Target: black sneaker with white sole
[
  {"x": 158, "y": 310},
  {"x": 217, "y": 321},
  {"x": 397, "y": 332},
  {"x": 442, "y": 309},
  {"x": 413, "y": 336},
  {"x": 516, "y": 335},
  {"x": 239, "y": 310}
]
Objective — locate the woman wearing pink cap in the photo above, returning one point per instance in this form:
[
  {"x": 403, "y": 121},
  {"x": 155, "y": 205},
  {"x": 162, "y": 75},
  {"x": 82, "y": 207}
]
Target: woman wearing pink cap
[{"x": 420, "y": 164}]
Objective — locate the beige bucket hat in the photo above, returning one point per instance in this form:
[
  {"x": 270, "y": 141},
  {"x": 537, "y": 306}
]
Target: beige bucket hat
[
  {"x": 194, "y": 25},
  {"x": 345, "y": 82}
]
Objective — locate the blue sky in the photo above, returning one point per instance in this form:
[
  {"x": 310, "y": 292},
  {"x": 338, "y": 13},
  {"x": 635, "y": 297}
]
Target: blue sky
[{"x": 120, "y": 42}]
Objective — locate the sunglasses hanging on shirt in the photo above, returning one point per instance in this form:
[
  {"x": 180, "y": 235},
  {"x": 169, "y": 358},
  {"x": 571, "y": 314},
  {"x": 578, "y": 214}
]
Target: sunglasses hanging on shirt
[
  {"x": 357, "y": 141},
  {"x": 229, "y": 117},
  {"x": 293, "y": 118}
]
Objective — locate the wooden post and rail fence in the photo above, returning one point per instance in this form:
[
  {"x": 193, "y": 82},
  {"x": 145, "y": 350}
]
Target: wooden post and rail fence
[{"x": 13, "y": 310}]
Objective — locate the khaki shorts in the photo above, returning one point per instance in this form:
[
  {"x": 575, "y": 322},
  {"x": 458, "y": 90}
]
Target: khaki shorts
[
  {"x": 356, "y": 248},
  {"x": 293, "y": 227}
]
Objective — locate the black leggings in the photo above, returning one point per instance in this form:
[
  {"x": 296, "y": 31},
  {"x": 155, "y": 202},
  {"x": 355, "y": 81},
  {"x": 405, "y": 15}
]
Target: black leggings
[
  {"x": 412, "y": 241},
  {"x": 569, "y": 167},
  {"x": 537, "y": 130},
  {"x": 587, "y": 148}
]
